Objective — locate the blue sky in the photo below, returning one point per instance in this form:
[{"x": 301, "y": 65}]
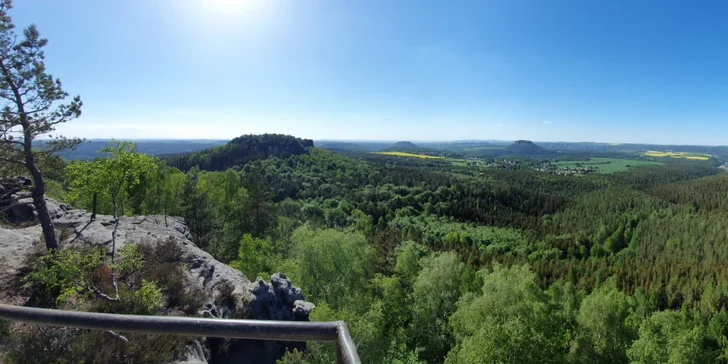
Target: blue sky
[{"x": 558, "y": 70}]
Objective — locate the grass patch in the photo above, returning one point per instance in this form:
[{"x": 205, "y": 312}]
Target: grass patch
[
  {"x": 683, "y": 155},
  {"x": 606, "y": 165},
  {"x": 410, "y": 155}
]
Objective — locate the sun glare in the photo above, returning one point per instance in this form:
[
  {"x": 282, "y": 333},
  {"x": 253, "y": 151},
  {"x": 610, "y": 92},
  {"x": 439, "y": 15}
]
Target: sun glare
[
  {"x": 232, "y": 7},
  {"x": 216, "y": 17}
]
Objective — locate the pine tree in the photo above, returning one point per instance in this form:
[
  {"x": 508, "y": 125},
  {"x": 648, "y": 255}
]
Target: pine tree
[
  {"x": 196, "y": 210},
  {"x": 259, "y": 217},
  {"x": 30, "y": 100}
]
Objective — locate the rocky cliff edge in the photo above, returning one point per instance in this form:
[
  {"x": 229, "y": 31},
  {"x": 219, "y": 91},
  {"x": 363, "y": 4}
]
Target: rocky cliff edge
[{"x": 277, "y": 299}]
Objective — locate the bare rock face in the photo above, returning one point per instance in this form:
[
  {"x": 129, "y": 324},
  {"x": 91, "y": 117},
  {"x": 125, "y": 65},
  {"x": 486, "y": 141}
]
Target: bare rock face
[
  {"x": 18, "y": 206},
  {"x": 259, "y": 300},
  {"x": 279, "y": 300},
  {"x": 279, "y": 295}
]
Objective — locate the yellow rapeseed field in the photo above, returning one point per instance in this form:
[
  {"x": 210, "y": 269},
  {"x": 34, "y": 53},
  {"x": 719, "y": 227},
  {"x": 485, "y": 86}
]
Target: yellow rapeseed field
[
  {"x": 654, "y": 153},
  {"x": 402, "y": 154}
]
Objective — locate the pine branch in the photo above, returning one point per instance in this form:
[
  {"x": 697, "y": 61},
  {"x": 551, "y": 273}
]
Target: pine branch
[{"x": 9, "y": 160}]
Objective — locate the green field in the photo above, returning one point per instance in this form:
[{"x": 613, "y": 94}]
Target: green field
[
  {"x": 409, "y": 155},
  {"x": 455, "y": 162},
  {"x": 607, "y": 165},
  {"x": 690, "y": 156}
]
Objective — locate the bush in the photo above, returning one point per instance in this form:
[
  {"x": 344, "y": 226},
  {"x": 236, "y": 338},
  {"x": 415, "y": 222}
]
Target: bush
[
  {"x": 147, "y": 273},
  {"x": 162, "y": 265},
  {"x": 148, "y": 299},
  {"x": 35, "y": 344},
  {"x": 59, "y": 275}
]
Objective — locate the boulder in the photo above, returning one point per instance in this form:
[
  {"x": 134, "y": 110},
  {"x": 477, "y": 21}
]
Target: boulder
[{"x": 17, "y": 205}]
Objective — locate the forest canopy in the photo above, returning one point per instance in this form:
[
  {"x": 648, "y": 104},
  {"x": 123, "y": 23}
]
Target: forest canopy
[{"x": 436, "y": 263}]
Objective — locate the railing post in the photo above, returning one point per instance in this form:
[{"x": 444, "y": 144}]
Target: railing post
[
  {"x": 339, "y": 354},
  {"x": 345, "y": 347}
]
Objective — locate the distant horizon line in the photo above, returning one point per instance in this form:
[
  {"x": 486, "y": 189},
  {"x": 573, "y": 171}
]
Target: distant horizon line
[{"x": 402, "y": 140}]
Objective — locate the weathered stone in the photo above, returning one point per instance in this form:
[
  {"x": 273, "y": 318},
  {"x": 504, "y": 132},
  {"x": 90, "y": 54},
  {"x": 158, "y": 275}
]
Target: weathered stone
[{"x": 279, "y": 300}]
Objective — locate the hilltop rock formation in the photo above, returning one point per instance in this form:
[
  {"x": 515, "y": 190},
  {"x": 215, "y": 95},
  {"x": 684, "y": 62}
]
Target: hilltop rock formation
[
  {"x": 277, "y": 300},
  {"x": 525, "y": 147}
]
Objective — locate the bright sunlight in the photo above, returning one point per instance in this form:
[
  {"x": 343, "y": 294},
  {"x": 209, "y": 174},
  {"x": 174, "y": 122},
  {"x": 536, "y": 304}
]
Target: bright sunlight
[{"x": 227, "y": 9}]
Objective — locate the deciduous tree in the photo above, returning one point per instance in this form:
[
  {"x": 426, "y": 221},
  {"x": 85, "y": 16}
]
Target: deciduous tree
[{"x": 120, "y": 171}]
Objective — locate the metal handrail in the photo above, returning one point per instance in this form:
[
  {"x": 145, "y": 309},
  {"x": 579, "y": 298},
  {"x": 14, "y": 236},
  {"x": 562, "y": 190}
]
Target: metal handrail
[{"x": 192, "y": 326}]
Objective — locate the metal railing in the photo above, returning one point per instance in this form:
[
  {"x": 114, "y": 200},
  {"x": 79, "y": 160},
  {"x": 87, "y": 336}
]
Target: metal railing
[{"x": 190, "y": 326}]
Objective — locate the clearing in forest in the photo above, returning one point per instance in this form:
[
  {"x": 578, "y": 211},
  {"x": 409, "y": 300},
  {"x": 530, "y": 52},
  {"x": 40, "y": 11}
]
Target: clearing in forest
[
  {"x": 606, "y": 165},
  {"x": 403, "y": 154},
  {"x": 685, "y": 155}
]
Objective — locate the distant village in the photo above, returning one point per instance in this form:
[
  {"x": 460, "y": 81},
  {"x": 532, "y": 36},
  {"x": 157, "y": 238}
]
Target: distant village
[
  {"x": 545, "y": 167},
  {"x": 548, "y": 167}
]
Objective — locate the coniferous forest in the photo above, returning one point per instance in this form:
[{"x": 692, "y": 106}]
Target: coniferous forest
[{"x": 432, "y": 262}]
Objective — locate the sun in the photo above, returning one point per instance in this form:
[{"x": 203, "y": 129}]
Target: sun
[
  {"x": 232, "y": 7},
  {"x": 224, "y": 17}
]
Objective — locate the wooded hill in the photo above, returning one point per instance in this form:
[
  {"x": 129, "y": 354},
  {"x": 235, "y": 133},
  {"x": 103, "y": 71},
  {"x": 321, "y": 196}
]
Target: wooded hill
[{"x": 240, "y": 151}]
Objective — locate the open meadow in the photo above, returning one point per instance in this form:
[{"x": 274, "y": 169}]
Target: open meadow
[
  {"x": 606, "y": 165},
  {"x": 410, "y": 155},
  {"x": 684, "y": 155}
]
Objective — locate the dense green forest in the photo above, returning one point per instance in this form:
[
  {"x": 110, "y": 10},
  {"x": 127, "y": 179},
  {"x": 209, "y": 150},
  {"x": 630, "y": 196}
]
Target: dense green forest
[{"x": 432, "y": 263}]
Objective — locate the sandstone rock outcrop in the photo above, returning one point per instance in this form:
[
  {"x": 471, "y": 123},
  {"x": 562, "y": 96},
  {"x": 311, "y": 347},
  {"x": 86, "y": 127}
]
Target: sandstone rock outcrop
[{"x": 277, "y": 300}]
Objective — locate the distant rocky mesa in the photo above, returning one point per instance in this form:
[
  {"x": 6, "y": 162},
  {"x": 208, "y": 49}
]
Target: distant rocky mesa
[
  {"x": 276, "y": 300},
  {"x": 524, "y": 147},
  {"x": 240, "y": 151}
]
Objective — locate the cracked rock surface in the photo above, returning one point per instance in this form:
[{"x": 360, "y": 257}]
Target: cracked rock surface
[{"x": 276, "y": 300}]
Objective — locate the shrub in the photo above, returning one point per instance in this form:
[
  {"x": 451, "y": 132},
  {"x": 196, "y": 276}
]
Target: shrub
[
  {"x": 61, "y": 274},
  {"x": 146, "y": 274},
  {"x": 147, "y": 299},
  {"x": 29, "y": 344}
]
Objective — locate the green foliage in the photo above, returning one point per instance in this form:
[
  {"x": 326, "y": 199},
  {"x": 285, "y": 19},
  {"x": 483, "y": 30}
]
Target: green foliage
[
  {"x": 435, "y": 293},
  {"x": 293, "y": 357},
  {"x": 148, "y": 270},
  {"x": 409, "y": 255},
  {"x": 113, "y": 178},
  {"x": 147, "y": 299},
  {"x": 131, "y": 259},
  {"x": 259, "y": 217},
  {"x": 196, "y": 209},
  {"x": 31, "y": 344},
  {"x": 428, "y": 262},
  {"x": 606, "y": 328},
  {"x": 607, "y": 165},
  {"x": 455, "y": 235},
  {"x": 666, "y": 337},
  {"x": 333, "y": 265},
  {"x": 62, "y": 274},
  {"x": 226, "y": 201},
  {"x": 24, "y": 118},
  {"x": 242, "y": 150},
  {"x": 513, "y": 321},
  {"x": 256, "y": 257}
]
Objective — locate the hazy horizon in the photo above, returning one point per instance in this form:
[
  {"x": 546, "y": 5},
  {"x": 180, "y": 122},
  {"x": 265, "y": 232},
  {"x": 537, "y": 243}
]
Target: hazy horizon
[
  {"x": 613, "y": 72},
  {"x": 399, "y": 140}
]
